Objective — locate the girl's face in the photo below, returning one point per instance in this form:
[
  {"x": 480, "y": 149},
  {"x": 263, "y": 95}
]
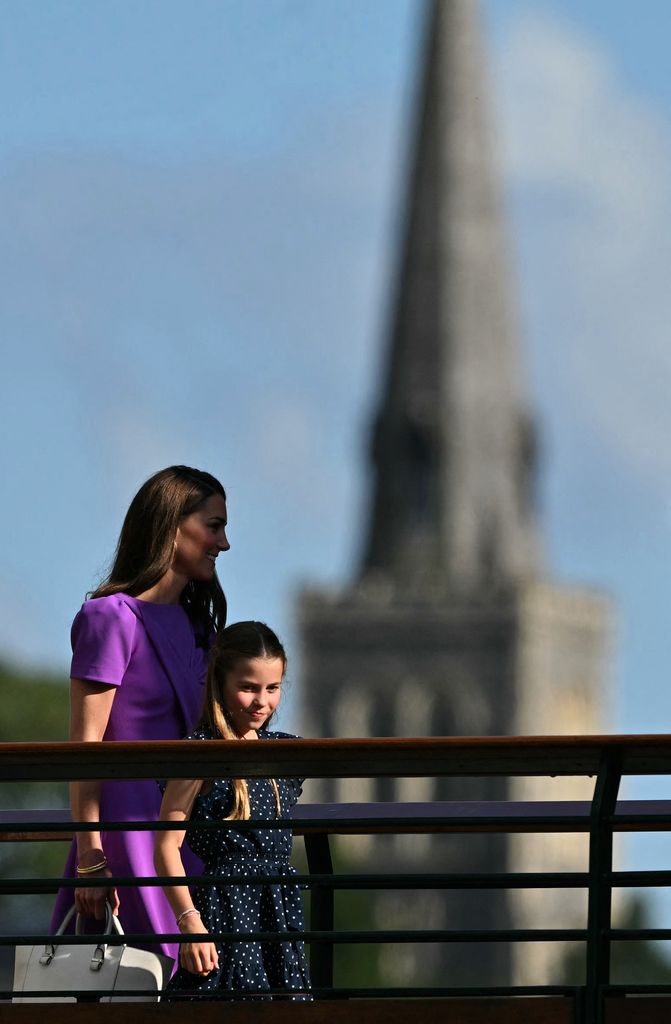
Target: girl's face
[{"x": 251, "y": 693}]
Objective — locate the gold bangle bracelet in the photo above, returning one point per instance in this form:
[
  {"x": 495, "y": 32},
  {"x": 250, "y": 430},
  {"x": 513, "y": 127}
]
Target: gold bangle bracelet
[{"x": 94, "y": 867}]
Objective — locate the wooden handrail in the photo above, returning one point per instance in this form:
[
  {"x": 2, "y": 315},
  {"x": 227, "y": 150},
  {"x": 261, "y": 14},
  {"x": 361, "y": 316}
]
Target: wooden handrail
[{"x": 336, "y": 758}]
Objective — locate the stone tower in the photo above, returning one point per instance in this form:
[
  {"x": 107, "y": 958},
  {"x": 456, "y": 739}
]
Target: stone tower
[{"x": 451, "y": 627}]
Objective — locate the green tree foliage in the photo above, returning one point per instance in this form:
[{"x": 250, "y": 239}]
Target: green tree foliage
[
  {"x": 34, "y": 707},
  {"x": 355, "y": 965},
  {"x": 633, "y": 962}
]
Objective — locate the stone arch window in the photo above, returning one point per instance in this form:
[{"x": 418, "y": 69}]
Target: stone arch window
[
  {"x": 352, "y": 718},
  {"x": 351, "y": 712},
  {"x": 414, "y": 716},
  {"x": 414, "y": 708}
]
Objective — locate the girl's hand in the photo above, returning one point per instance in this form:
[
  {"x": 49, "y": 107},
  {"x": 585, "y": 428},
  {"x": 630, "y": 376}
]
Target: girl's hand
[
  {"x": 197, "y": 957},
  {"x": 90, "y": 902}
]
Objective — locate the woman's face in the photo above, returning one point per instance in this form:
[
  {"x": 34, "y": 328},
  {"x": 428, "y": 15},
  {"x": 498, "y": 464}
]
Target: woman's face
[
  {"x": 200, "y": 537},
  {"x": 252, "y": 691}
]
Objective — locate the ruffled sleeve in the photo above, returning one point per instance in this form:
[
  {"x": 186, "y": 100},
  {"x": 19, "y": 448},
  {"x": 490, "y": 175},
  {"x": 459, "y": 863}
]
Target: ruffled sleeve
[{"x": 102, "y": 638}]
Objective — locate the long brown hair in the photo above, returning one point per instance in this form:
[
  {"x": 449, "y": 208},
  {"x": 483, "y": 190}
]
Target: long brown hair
[
  {"x": 239, "y": 641},
  {"x": 145, "y": 548}
]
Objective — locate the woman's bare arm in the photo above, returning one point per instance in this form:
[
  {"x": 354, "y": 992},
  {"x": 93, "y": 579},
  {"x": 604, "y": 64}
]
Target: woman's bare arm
[{"x": 90, "y": 707}]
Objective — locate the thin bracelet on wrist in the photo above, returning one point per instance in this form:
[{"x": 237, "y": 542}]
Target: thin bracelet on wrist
[
  {"x": 94, "y": 867},
  {"x": 186, "y": 913}
]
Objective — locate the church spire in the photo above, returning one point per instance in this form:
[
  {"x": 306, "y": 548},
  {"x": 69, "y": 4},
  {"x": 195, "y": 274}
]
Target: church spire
[{"x": 453, "y": 443}]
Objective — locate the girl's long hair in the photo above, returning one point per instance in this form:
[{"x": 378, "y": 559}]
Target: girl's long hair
[
  {"x": 146, "y": 543},
  {"x": 239, "y": 641}
]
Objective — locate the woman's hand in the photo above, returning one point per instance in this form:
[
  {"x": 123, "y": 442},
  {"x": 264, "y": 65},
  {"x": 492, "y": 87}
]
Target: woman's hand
[
  {"x": 197, "y": 957},
  {"x": 90, "y": 902}
]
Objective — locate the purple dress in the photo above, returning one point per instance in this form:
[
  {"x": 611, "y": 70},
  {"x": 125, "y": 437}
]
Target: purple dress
[{"x": 149, "y": 652}]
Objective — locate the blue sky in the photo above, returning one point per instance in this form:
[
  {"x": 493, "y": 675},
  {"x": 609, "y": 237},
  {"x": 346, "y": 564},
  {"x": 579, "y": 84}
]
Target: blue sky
[{"x": 199, "y": 211}]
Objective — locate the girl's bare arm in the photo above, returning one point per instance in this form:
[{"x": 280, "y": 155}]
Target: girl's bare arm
[{"x": 199, "y": 957}]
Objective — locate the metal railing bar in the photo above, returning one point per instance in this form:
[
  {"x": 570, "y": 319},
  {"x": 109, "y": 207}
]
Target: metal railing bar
[
  {"x": 323, "y": 992},
  {"x": 653, "y": 879},
  {"x": 599, "y": 896},
  {"x": 362, "y": 936},
  {"x": 625, "y": 934},
  {"x": 455, "y": 990},
  {"x": 625, "y": 811},
  {"x": 134, "y": 994},
  {"x": 660, "y": 818},
  {"x": 322, "y": 906},
  {"x": 635, "y": 989},
  {"x": 401, "y": 880},
  {"x": 395, "y": 823},
  {"x": 63, "y": 831},
  {"x": 392, "y": 815}
]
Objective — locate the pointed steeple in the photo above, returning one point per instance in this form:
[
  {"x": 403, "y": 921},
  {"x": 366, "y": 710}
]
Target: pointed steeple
[{"x": 453, "y": 443}]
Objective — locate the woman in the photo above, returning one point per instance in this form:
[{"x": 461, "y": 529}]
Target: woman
[{"x": 138, "y": 667}]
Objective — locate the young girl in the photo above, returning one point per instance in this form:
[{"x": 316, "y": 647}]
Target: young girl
[{"x": 244, "y": 681}]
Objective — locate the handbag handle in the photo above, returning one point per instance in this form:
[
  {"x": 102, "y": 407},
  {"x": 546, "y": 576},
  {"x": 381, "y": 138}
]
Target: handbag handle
[{"x": 112, "y": 923}]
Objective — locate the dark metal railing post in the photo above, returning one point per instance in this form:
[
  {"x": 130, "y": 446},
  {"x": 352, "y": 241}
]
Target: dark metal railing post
[
  {"x": 600, "y": 890},
  {"x": 318, "y": 853}
]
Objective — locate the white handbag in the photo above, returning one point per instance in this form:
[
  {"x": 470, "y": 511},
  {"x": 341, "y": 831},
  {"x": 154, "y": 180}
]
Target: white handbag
[{"x": 88, "y": 969}]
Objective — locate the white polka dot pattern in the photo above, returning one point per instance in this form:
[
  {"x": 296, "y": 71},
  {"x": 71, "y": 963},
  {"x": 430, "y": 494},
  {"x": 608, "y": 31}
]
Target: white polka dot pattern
[{"x": 253, "y": 967}]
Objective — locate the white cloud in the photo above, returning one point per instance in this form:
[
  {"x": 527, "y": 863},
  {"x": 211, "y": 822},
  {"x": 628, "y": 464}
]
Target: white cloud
[
  {"x": 595, "y": 160},
  {"x": 575, "y": 125}
]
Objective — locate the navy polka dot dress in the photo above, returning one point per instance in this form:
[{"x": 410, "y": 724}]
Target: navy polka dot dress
[{"x": 253, "y": 967}]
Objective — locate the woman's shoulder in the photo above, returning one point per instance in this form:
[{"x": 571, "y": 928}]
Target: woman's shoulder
[
  {"x": 111, "y": 607},
  {"x": 102, "y": 637}
]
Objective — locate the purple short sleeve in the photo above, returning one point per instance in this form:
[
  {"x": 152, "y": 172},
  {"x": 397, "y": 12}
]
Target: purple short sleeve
[{"x": 102, "y": 640}]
